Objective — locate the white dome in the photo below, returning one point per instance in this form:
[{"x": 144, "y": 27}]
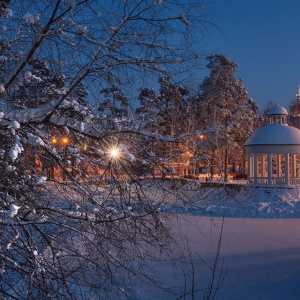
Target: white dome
[
  {"x": 275, "y": 134},
  {"x": 277, "y": 110}
]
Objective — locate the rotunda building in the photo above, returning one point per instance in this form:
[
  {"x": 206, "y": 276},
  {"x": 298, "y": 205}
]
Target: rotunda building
[{"x": 273, "y": 151}]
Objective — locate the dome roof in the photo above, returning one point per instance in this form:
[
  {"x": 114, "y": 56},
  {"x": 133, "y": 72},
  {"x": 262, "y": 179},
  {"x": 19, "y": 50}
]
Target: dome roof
[
  {"x": 277, "y": 110},
  {"x": 275, "y": 134}
]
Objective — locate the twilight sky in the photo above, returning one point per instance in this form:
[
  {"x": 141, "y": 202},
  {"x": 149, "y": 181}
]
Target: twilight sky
[{"x": 263, "y": 38}]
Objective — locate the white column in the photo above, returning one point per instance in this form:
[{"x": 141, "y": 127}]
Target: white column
[
  {"x": 249, "y": 166},
  {"x": 293, "y": 165},
  {"x": 262, "y": 165},
  {"x": 255, "y": 168},
  {"x": 278, "y": 166},
  {"x": 287, "y": 169},
  {"x": 269, "y": 168},
  {"x": 297, "y": 165}
]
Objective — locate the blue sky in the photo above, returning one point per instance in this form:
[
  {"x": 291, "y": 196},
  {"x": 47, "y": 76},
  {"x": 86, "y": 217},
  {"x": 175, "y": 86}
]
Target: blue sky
[{"x": 263, "y": 38}]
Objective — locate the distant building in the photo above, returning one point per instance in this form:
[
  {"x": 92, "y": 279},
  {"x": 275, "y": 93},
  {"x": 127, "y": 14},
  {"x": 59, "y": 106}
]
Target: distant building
[
  {"x": 273, "y": 151},
  {"x": 295, "y": 111}
]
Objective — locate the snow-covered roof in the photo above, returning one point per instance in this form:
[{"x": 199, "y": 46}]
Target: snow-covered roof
[
  {"x": 275, "y": 134},
  {"x": 277, "y": 110}
]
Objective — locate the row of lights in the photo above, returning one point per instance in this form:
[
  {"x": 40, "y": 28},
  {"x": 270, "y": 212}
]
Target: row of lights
[
  {"x": 64, "y": 140},
  {"x": 114, "y": 152}
]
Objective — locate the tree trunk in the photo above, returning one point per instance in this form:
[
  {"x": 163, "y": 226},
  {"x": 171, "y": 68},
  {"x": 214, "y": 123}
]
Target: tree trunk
[
  {"x": 226, "y": 164},
  {"x": 212, "y": 167}
]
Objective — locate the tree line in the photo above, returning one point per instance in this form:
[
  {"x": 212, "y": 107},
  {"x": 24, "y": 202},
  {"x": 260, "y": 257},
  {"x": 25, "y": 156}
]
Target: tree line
[{"x": 220, "y": 113}]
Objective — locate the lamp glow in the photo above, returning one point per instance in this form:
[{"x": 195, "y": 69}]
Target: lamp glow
[
  {"x": 114, "y": 153},
  {"x": 65, "y": 140}
]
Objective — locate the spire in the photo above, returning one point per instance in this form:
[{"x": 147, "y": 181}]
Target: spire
[{"x": 298, "y": 95}]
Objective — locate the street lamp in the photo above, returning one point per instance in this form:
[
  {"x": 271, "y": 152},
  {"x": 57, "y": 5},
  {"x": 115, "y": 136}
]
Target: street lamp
[
  {"x": 114, "y": 153},
  {"x": 54, "y": 140},
  {"x": 64, "y": 142}
]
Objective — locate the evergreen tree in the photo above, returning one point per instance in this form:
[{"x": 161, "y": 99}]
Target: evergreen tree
[
  {"x": 164, "y": 114},
  {"x": 226, "y": 109},
  {"x": 114, "y": 108}
]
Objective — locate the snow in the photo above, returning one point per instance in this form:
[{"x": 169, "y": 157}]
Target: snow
[
  {"x": 13, "y": 210},
  {"x": 30, "y": 19},
  {"x": 81, "y": 126},
  {"x": 27, "y": 75},
  {"x": 275, "y": 134},
  {"x": 233, "y": 200},
  {"x": 13, "y": 125},
  {"x": 40, "y": 180},
  {"x": 130, "y": 156},
  {"x": 35, "y": 140},
  {"x": 2, "y": 88},
  {"x": 10, "y": 168},
  {"x": 261, "y": 257},
  {"x": 15, "y": 149},
  {"x": 7, "y": 13},
  {"x": 277, "y": 110},
  {"x": 259, "y": 247}
]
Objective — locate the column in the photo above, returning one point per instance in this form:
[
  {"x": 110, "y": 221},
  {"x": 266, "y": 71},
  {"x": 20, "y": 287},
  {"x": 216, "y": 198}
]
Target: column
[
  {"x": 287, "y": 169},
  {"x": 269, "y": 168},
  {"x": 249, "y": 166},
  {"x": 293, "y": 165},
  {"x": 278, "y": 166},
  {"x": 255, "y": 168},
  {"x": 262, "y": 165}
]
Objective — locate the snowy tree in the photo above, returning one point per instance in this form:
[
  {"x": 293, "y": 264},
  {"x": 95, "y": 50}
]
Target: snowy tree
[
  {"x": 226, "y": 109},
  {"x": 114, "y": 108},
  {"x": 66, "y": 238},
  {"x": 164, "y": 113}
]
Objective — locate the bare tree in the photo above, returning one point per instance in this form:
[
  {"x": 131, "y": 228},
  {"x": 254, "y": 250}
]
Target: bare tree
[{"x": 66, "y": 239}]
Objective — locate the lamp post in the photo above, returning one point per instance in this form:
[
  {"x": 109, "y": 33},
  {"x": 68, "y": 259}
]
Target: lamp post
[
  {"x": 114, "y": 154},
  {"x": 54, "y": 142},
  {"x": 64, "y": 142}
]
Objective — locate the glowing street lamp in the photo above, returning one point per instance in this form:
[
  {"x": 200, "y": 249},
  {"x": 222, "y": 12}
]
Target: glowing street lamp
[
  {"x": 65, "y": 140},
  {"x": 62, "y": 144},
  {"x": 54, "y": 140},
  {"x": 114, "y": 153}
]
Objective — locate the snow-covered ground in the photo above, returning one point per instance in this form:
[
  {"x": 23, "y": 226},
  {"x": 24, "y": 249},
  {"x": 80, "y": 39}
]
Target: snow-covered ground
[
  {"x": 262, "y": 258},
  {"x": 260, "y": 246},
  {"x": 245, "y": 201}
]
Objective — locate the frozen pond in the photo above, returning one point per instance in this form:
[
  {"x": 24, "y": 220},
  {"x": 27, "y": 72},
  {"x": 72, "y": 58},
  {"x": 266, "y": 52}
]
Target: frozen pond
[{"x": 262, "y": 258}]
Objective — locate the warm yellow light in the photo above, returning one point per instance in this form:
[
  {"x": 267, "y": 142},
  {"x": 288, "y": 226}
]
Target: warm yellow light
[
  {"x": 54, "y": 140},
  {"x": 65, "y": 140},
  {"x": 114, "y": 153},
  {"x": 201, "y": 136}
]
